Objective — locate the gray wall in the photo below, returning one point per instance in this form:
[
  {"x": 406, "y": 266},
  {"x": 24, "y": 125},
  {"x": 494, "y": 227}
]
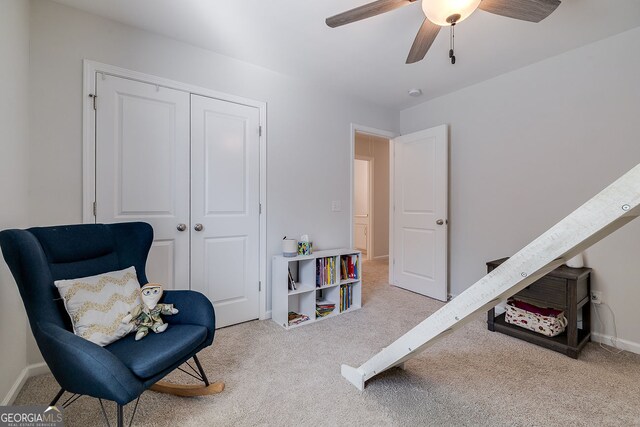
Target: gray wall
[
  {"x": 529, "y": 147},
  {"x": 378, "y": 148},
  {"x": 14, "y": 144}
]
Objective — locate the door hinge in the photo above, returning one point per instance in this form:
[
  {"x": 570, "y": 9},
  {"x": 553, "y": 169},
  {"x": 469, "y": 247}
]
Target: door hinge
[
  {"x": 260, "y": 286},
  {"x": 95, "y": 209},
  {"x": 94, "y": 97},
  {"x": 394, "y": 261},
  {"x": 260, "y": 208},
  {"x": 260, "y": 130}
]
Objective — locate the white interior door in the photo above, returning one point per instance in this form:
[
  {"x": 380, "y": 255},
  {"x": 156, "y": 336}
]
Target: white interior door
[
  {"x": 420, "y": 200},
  {"x": 142, "y": 168},
  {"x": 361, "y": 205},
  {"x": 225, "y": 194}
]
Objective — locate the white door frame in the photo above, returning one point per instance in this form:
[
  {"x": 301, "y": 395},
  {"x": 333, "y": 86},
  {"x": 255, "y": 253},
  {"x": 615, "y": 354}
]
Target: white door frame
[
  {"x": 375, "y": 132},
  {"x": 89, "y": 144},
  {"x": 370, "y": 171}
]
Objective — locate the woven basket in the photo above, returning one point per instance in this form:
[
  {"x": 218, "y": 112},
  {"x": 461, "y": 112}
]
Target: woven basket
[{"x": 545, "y": 321}]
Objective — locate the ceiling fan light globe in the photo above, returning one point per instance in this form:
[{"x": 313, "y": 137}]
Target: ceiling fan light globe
[{"x": 439, "y": 11}]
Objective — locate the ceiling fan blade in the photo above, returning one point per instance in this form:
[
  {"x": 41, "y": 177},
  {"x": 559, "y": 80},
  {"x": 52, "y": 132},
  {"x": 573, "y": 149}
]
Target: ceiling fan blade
[
  {"x": 366, "y": 11},
  {"x": 525, "y": 10},
  {"x": 423, "y": 41}
]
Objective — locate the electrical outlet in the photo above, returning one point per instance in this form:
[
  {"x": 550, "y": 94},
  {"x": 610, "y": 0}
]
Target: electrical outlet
[
  {"x": 596, "y": 297},
  {"x": 336, "y": 206}
]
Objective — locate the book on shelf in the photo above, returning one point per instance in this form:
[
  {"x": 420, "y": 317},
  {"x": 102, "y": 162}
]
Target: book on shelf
[
  {"x": 295, "y": 318},
  {"x": 346, "y": 297},
  {"x": 292, "y": 283},
  {"x": 349, "y": 267},
  {"x": 325, "y": 271},
  {"x": 324, "y": 308}
]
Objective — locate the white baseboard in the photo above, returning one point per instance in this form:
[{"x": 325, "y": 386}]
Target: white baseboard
[
  {"x": 15, "y": 389},
  {"x": 38, "y": 369},
  {"x": 28, "y": 372},
  {"x": 622, "y": 344}
]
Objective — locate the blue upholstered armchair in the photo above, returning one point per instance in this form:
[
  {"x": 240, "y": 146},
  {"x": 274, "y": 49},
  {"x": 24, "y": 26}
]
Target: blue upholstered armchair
[{"x": 121, "y": 371}]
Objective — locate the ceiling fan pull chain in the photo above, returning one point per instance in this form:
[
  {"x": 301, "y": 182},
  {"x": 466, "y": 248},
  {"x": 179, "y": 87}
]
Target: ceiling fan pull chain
[{"x": 452, "y": 42}]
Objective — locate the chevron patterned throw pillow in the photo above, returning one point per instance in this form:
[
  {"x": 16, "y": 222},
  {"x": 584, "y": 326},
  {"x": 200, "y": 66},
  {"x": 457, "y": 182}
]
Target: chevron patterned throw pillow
[{"x": 97, "y": 304}]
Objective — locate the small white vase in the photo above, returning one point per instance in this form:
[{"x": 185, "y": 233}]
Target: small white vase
[{"x": 576, "y": 262}]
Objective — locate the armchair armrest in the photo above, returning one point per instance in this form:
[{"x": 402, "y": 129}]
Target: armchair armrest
[
  {"x": 83, "y": 367},
  {"x": 194, "y": 309}
]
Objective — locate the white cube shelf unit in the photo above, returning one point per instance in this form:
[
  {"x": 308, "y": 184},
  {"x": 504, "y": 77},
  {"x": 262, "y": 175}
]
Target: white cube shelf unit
[{"x": 340, "y": 285}]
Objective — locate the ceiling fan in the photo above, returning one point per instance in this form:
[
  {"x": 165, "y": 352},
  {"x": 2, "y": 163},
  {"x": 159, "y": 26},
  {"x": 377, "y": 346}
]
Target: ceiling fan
[{"x": 447, "y": 13}]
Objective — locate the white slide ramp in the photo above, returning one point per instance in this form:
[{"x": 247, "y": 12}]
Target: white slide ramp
[{"x": 612, "y": 208}]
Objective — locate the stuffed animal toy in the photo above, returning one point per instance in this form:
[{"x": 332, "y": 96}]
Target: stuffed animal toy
[{"x": 147, "y": 315}]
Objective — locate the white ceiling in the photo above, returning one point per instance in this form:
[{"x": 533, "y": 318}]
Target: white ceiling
[{"x": 367, "y": 58}]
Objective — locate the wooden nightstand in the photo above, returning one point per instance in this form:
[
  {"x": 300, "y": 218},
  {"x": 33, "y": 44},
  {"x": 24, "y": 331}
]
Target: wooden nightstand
[{"x": 564, "y": 288}]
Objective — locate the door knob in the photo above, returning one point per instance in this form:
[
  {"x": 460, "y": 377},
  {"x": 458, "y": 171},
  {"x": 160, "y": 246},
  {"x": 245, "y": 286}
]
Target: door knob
[
  {"x": 198, "y": 227},
  {"x": 440, "y": 222},
  {"x": 181, "y": 227}
]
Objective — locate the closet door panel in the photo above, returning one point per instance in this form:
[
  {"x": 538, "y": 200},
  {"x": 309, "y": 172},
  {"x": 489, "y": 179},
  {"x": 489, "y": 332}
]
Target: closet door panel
[
  {"x": 142, "y": 168},
  {"x": 226, "y": 164},
  {"x": 225, "y": 168}
]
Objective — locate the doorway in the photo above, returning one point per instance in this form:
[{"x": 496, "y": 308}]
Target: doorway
[
  {"x": 370, "y": 204},
  {"x": 362, "y": 209},
  {"x": 415, "y": 191}
]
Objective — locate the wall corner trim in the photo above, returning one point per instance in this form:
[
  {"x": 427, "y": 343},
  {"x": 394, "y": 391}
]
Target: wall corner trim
[{"x": 28, "y": 372}]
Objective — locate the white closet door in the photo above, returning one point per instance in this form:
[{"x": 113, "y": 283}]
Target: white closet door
[
  {"x": 225, "y": 170},
  {"x": 142, "y": 168},
  {"x": 421, "y": 193}
]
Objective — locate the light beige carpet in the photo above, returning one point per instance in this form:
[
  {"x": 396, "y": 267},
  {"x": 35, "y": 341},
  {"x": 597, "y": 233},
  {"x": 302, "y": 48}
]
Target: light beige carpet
[{"x": 473, "y": 377}]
